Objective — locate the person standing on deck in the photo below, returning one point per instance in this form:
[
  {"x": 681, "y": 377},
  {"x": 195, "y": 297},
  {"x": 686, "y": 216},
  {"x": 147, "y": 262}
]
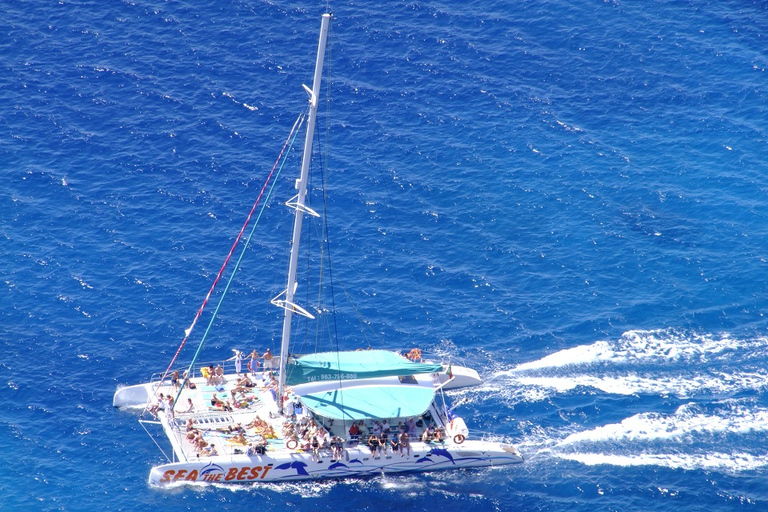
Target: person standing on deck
[
  {"x": 267, "y": 357},
  {"x": 253, "y": 364},
  {"x": 238, "y": 358}
]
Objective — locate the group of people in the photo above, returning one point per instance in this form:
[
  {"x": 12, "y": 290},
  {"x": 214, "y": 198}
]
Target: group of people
[
  {"x": 214, "y": 376},
  {"x": 306, "y": 434},
  {"x": 252, "y": 361},
  {"x": 163, "y": 403},
  {"x": 381, "y": 437},
  {"x": 262, "y": 428},
  {"x": 195, "y": 437}
]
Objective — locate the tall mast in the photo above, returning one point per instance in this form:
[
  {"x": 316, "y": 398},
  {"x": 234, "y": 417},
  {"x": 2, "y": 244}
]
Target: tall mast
[{"x": 285, "y": 299}]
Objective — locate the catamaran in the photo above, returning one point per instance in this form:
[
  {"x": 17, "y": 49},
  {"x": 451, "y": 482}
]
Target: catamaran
[{"x": 332, "y": 414}]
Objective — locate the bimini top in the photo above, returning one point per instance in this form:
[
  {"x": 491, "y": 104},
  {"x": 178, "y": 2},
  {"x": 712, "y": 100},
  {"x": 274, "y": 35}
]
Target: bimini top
[
  {"x": 353, "y": 365},
  {"x": 369, "y": 401}
]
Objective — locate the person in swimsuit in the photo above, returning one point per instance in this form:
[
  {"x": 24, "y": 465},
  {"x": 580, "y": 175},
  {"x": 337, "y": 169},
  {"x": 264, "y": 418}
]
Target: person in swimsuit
[
  {"x": 315, "y": 444},
  {"x": 267, "y": 357},
  {"x": 405, "y": 444},
  {"x": 253, "y": 364},
  {"x": 374, "y": 444}
]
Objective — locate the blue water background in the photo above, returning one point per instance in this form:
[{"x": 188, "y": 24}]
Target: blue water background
[{"x": 571, "y": 195}]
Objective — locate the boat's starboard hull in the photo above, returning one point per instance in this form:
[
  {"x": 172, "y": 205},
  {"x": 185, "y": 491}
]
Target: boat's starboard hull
[{"x": 355, "y": 462}]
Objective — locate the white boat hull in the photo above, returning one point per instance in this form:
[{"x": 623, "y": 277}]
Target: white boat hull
[{"x": 284, "y": 466}]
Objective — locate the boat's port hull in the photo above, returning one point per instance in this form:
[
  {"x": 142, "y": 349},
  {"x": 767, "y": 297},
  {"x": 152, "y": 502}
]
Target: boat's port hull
[
  {"x": 132, "y": 396},
  {"x": 283, "y": 465}
]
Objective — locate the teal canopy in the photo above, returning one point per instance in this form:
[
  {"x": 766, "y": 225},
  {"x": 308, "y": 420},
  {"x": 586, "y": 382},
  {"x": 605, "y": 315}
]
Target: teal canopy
[
  {"x": 352, "y": 365},
  {"x": 371, "y": 401}
]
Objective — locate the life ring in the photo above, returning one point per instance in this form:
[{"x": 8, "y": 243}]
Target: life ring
[
  {"x": 291, "y": 444},
  {"x": 458, "y": 438}
]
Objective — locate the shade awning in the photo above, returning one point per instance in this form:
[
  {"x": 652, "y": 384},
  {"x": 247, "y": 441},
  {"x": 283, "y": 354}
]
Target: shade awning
[
  {"x": 356, "y": 403},
  {"x": 352, "y": 365}
]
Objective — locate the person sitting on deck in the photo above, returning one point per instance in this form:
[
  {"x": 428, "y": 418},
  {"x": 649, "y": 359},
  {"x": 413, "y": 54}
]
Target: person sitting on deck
[
  {"x": 210, "y": 451},
  {"x": 216, "y": 402},
  {"x": 152, "y": 409},
  {"x": 374, "y": 444},
  {"x": 210, "y": 375},
  {"x": 384, "y": 442},
  {"x": 169, "y": 410},
  {"x": 354, "y": 433},
  {"x": 258, "y": 424},
  {"x": 239, "y": 439},
  {"x": 405, "y": 444},
  {"x": 315, "y": 444},
  {"x": 336, "y": 445},
  {"x": 395, "y": 443},
  {"x": 220, "y": 375},
  {"x": 192, "y": 435},
  {"x": 273, "y": 384},
  {"x": 258, "y": 447},
  {"x": 427, "y": 435}
]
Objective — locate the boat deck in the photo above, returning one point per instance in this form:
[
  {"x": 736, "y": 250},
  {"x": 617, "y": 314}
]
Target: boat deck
[{"x": 220, "y": 427}]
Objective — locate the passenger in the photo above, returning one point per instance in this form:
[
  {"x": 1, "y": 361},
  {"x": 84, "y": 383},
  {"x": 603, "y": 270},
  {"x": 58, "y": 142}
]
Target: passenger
[
  {"x": 169, "y": 409},
  {"x": 374, "y": 444},
  {"x": 405, "y": 444},
  {"x": 155, "y": 406},
  {"x": 376, "y": 429},
  {"x": 315, "y": 449},
  {"x": 411, "y": 426},
  {"x": 210, "y": 451},
  {"x": 220, "y": 375},
  {"x": 238, "y": 359},
  {"x": 385, "y": 427},
  {"x": 384, "y": 442},
  {"x": 253, "y": 364},
  {"x": 267, "y": 357},
  {"x": 175, "y": 380},
  {"x": 426, "y": 436},
  {"x": 395, "y": 443},
  {"x": 354, "y": 433},
  {"x": 335, "y": 444},
  {"x": 190, "y": 406},
  {"x": 239, "y": 439}
]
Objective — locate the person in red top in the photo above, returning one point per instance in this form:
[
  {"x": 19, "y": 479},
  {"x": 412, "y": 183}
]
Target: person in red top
[{"x": 354, "y": 432}]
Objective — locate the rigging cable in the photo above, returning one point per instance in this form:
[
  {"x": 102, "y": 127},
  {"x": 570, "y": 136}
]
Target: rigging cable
[{"x": 288, "y": 144}]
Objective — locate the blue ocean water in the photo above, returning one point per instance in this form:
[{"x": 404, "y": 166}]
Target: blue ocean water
[{"x": 569, "y": 195}]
